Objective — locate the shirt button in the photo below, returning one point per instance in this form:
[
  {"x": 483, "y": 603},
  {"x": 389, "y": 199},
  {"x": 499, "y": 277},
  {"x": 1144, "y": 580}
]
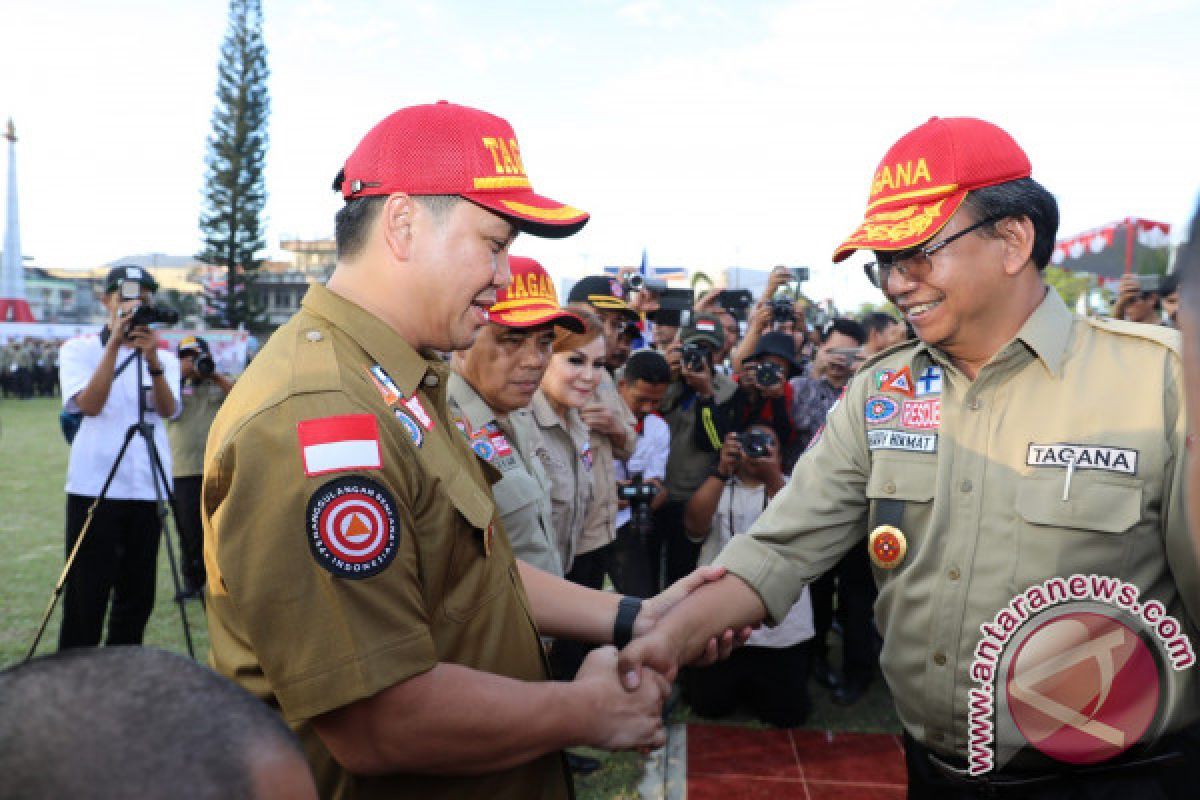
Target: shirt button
[
  {"x": 953, "y": 574},
  {"x": 939, "y": 659},
  {"x": 313, "y": 336},
  {"x": 431, "y": 381},
  {"x": 889, "y": 488},
  {"x": 966, "y": 486}
]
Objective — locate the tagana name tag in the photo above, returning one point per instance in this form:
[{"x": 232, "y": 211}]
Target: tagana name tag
[
  {"x": 1083, "y": 456},
  {"x": 890, "y": 439}
]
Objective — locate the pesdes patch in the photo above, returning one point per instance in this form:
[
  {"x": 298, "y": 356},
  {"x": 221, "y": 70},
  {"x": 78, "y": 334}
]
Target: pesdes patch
[{"x": 352, "y": 528}]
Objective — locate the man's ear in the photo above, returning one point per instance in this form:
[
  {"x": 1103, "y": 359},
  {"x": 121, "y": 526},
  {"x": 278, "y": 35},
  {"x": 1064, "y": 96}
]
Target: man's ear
[
  {"x": 1017, "y": 235},
  {"x": 396, "y": 225}
]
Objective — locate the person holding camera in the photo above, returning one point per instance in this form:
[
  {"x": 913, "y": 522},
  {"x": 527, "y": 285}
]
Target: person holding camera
[
  {"x": 1140, "y": 298},
  {"x": 770, "y": 674},
  {"x": 202, "y": 391},
  {"x": 833, "y": 364},
  {"x": 766, "y": 316},
  {"x": 690, "y": 408},
  {"x": 108, "y": 377},
  {"x": 764, "y": 393},
  {"x": 643, "y": 385}
]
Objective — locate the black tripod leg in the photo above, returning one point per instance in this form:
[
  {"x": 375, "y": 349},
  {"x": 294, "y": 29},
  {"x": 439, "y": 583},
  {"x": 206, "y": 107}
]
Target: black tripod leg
[{"x": 165, "y": 510}]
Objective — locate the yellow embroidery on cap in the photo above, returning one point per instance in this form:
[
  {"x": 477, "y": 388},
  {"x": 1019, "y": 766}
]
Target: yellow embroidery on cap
[
  {"x": 516, "y": 182},
  {"x": 563, "y": 212},
  {"x": 931, "y": 191},
  {"x": 900, "y": 175}
]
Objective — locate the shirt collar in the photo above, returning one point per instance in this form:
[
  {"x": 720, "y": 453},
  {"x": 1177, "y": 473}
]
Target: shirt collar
[
  {"x": 406, "y": 367},
  {"x": 1046, "y": 333},
  {"x": 542, "y": 411},
  {"x": 476, "y": 410}
]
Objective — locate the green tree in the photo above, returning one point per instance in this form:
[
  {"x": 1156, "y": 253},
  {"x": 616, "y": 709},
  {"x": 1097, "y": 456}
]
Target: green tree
[
  {"x": 235, "y": 189},
  {"x": 1069, "y": 285}
]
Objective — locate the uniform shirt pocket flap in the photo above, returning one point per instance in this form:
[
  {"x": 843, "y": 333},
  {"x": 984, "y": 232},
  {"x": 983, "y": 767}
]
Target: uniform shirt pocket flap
[
  {"x": 515, "y": 491},
  {"x": 472, "y": 502},
  {"x": 902, "y": 480},
  {"x": 1105, "y": 504}
]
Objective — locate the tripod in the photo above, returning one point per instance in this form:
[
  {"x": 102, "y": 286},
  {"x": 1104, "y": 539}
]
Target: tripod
[{"x": 165, "y": 506}]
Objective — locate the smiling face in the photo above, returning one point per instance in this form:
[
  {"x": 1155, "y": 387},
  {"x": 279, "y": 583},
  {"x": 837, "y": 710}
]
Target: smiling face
[
  {"x": 956, "y": 298},
  {"x": 505, "y": 365},
  {"x": 462, "y": 260},
  {"x": 573, "y": 375}
]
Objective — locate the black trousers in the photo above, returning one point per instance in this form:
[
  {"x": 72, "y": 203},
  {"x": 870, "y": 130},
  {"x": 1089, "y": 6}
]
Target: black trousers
[
  {"x": 681, "y": 554},
  {"x": 191, "y": 531},
  {"x": 1176, "y": 779},
  {"x": 118, "y": 560},
  {"x": 771, "y": 682},
  {"x": 854, "y": 584}
]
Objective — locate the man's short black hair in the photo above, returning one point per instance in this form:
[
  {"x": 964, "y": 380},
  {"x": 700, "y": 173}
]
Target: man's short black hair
[
  {"x": 648, "y": 366},
  {"x": 877, "y": 322},
  {"x": 351, "y": 222},
  {"x": 844, "y": 326},
  {"x": 120, "y": 722},
  {"x": 1020, "y": 198}
]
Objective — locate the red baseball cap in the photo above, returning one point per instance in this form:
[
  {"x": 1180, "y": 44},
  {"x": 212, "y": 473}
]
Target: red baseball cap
[
  {"x": 923, "y": 179},
  {"x": 530, "y": 299},
  {"x": 445, "y": 148}
]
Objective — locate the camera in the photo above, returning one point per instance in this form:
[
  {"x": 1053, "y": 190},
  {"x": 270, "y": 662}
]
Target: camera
[
  {"x": 767, "y": 374},
  {"x": 799, "y": 274},
  {"x": 1153, "y": 283},
  {"x": 145, "y": 315},
  {"x": 640, "y": 283},
  {"x": 639, "y": 496},
  {"x": 755, "y": 444},
  {"x": 782, "y": 310},
  {"x": 204, "y": 365},
  {"x": 694, "y": 356},
  {"x": 637, "y": 492}
]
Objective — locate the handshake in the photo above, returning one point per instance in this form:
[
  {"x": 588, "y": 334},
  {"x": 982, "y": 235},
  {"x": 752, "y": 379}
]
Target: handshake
[{"x": 623, "y": 692}]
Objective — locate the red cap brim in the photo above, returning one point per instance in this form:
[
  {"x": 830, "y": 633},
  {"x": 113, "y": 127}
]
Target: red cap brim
[
  {"x": 531, "y": 316},
  {"x": 532, "y": 213},
  {"x": 899, "y": 229}
]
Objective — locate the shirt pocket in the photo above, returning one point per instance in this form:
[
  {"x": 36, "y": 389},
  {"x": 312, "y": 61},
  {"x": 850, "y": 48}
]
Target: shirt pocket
[
  {"x": 911, "y": 481},
  {"x": 474, "y": 578},
  {"x": 1085, "y": 534}
]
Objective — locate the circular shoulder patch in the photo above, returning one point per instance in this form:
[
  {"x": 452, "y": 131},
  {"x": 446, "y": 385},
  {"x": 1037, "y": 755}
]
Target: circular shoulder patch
[
  {"x": 352, "y": 529},
  {"x": 881, "y": 409}
]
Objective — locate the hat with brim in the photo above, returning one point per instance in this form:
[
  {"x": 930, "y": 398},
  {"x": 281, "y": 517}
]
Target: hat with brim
[
  {"x": 603, "y": 293},
  {"x": 448, "y": 149},
  {"x": 192, "y": 344},
  {"x": 530, "y": 300},
  {"x": 129, "y": 272},
  {"x": 704, "y": 328},
  {"x": 776, "y": 344},
  {"x": 924, "y": 178}
]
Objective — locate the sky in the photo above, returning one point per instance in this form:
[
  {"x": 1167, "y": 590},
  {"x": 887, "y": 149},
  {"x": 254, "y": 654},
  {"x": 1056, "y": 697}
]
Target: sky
[{"x": 710, "y": 134}]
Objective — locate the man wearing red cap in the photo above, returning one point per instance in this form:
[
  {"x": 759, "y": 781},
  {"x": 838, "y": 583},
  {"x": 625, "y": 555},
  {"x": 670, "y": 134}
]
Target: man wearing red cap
[
  {"x": 359, "y": 577},
  {"x": 991, "y": 467}
]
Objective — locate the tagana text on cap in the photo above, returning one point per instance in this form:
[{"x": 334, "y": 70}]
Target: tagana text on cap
[
  {"x": 530, "y": 299},
  {"x": 924, "y": 177},
  {"x": 443, "y": 148}
]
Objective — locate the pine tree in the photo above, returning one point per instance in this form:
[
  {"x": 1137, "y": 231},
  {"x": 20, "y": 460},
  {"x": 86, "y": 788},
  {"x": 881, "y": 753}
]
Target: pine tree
[{"x": 235, "y": 190}]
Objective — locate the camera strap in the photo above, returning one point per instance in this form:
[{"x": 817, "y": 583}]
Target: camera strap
[{"x": 104, "y": 334}]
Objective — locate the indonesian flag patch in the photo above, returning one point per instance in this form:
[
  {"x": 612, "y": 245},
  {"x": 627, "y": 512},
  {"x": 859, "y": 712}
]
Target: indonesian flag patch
[
  {"x": 352, "y": 529},
  {"x": 347, "y": 443}
]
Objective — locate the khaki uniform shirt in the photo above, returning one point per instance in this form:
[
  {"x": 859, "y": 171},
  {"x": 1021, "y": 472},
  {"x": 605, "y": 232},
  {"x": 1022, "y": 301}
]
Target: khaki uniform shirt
[
  {"x": 351, "y": 544},
  {"x": 687, "y": 465},
  {"x": 523, "y": 492},
  {"x": 600, "y": 527},
  {"x": 188, "y": 432},
  {"x": 982, "y": 480},
  {"x": 566, "y": 455}
]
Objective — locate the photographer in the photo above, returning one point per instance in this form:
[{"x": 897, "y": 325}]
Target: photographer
[
  {"x": 202, "y": 391},
  {"x": 1140, "y": 298},
  {"x": 643, "y": 385},
  {"x": 767, "y": 315},
  {"x": 769, "y": 674},
  {"x": 764, "y": 394},
  {"x": 832, "y": 367},
  {"x": 690, "y": 409},
  {"x": 102, "y": 379}
]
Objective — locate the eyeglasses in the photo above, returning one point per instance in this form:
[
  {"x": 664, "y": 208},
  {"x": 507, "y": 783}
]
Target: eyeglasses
[{"x": 916, "y": 263}]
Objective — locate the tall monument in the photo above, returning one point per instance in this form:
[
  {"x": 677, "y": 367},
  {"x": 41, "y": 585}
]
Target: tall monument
[{"x": 13, "y": 305}]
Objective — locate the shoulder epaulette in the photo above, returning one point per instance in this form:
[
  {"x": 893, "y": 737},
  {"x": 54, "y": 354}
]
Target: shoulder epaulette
[
  {"x": 1168, "y": 337},
  {"x": 314, "y": 363}
]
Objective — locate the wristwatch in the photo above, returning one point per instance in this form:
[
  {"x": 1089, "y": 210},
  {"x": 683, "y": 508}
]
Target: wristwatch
[
  {"x": 627, "y": 611},
  {"x": 715, "y": 472}
]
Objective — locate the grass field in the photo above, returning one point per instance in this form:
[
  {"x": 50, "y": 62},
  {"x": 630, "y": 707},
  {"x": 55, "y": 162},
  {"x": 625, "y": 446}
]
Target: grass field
[{"x": 33, "y": 457}]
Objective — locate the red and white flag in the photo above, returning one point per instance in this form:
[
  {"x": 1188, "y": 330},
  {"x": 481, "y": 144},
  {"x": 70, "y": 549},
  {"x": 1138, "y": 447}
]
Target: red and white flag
[{"x": 340, "y": 444}]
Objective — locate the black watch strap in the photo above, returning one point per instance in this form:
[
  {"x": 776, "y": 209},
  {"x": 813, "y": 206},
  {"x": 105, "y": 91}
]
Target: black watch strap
[
  {"x": 627, "y": 611},
  {"x": 154, "y": 373}
]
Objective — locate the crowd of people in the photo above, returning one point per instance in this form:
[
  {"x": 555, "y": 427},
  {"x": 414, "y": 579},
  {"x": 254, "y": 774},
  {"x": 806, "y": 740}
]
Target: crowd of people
[
  {"x": 29, "y": 367},
  {"x": 439, "y": 485}
]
